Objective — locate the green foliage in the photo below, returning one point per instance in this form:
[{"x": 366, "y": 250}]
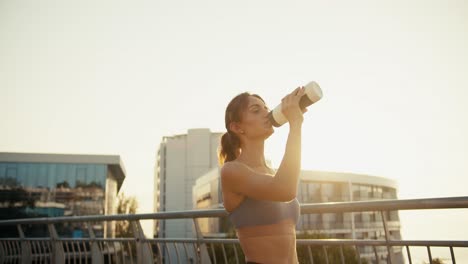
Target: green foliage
[
  {"x": 14, "y": 195},
  {"x": 92, "y": 184},
  {"x": 125, "y": 205},
  {"x": 63, "y": 184}
]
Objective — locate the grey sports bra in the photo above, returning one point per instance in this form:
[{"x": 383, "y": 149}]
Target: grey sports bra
[{"x": 253, "y": 212}]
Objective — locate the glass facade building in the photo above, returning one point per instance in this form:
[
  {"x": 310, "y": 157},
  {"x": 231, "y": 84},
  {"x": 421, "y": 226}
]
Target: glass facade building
[{"x": 52, "y": 185}]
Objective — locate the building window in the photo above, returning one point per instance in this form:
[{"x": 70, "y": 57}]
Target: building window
[
  {"x": 11, "y": 173},
  {"x": 358, "y": 217}
]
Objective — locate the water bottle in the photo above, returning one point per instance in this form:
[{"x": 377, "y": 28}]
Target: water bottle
[{"x": 313, "y": 93}]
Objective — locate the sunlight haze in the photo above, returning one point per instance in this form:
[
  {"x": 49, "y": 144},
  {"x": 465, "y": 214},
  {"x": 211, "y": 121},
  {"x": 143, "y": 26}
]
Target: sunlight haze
[{"x": 114, "y": 77}]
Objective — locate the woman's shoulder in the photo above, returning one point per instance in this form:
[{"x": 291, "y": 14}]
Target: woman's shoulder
[
  {"x": 235, "y": 171},
  {"x": 231, "y": 167},
  {"x": 236, "y": 168}
]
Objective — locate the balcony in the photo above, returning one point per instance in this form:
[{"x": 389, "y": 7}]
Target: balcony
[{"x": 200, "y": 249}]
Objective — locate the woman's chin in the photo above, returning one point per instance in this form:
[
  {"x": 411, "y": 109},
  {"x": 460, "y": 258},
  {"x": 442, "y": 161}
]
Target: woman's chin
[{"x": 270, "y": 132}]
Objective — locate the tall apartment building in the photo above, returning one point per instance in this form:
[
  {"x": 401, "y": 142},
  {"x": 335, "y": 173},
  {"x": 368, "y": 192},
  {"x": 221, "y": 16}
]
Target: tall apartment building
[{"x": 181, "y": 160}]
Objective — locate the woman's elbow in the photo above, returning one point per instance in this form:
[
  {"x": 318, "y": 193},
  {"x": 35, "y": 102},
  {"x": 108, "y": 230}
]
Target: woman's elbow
[{"x": 291, "y": 196}]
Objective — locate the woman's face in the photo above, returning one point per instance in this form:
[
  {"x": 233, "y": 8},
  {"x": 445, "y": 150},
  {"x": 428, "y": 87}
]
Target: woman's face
[{"x": 255, "y": 122}]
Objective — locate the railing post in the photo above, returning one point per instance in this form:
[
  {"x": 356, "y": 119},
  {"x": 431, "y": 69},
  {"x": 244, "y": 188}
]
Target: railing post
[
  {"x": 26, "y": 253},
  {"x": 202, "y": 254},
  {"x": 58, "y": 255},
  {"x": 2, "y": 252},
  {"x": 144, "y": 253},
  {"x": 96, "y": 254},
  {"x": 387, "y": 237}
]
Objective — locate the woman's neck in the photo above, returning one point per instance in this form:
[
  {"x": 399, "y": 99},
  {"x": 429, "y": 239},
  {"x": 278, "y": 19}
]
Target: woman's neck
[{"x": 252, "y": 154}]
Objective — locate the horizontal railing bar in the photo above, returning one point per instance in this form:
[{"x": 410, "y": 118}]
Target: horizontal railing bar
[
  {"x": 336, "y": 242},
  {"x": 317, "y": 242},
  {"x": 432, "y": 243},
  {"x": 97, "y": 239},
  {"x": 376, "y": 205},
  {"x": 387, "y": 205},
  {"x": 222, "y": 241},
  {"x": 26, "y": 239},
  {"x": 172, "y": 240},
  {"x": 195, "y": 240},
  {"x": 68, "y": 239},
  {"x": 122, "y": 217}
]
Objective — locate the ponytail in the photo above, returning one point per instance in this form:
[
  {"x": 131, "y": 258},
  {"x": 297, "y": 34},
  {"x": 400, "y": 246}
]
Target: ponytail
[
  {"x": 230, "y": 145},
  {"x": 230, "y": 148}
]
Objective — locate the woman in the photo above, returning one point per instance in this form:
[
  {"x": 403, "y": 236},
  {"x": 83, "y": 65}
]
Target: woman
[{"x": 261, "y": 203}]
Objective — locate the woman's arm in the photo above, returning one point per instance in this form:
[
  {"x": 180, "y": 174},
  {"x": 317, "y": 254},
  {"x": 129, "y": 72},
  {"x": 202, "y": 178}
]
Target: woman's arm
[{"x": 283, "y": 186}]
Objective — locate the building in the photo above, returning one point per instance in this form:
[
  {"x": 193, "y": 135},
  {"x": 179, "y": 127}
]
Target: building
[
  {"x": 51, "y": 185},
  {"x": 180, "y": 161},
  {"x": 319, "y": 187},
  {"x": 207, "y": 194},
  {"x": 187, "y": 177}
]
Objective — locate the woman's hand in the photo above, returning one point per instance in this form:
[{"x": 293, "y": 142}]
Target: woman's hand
[{"x": 290, "y": 106}]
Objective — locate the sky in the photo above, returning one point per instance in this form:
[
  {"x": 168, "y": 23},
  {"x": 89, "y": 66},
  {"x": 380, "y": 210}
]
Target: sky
[{"x": 114, "y": 77}]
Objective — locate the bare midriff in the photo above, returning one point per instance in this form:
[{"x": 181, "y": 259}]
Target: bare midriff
[{"x": 275, "y": 243}]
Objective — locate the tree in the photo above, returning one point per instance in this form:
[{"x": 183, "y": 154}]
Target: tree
[
  {"x": 125, "y": 205},
  {"x": 63, "y": 184},
  {"x": 92, "y": 184},
  {"x": 13, "y": 195},
  {"x": 14, "y": 201}
]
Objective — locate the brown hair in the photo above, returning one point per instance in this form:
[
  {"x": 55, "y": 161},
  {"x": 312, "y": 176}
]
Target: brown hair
[{"x": 230, "y": 142}]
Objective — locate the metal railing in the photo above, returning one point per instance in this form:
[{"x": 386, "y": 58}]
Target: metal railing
[{"x": 139, "y": 249}]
